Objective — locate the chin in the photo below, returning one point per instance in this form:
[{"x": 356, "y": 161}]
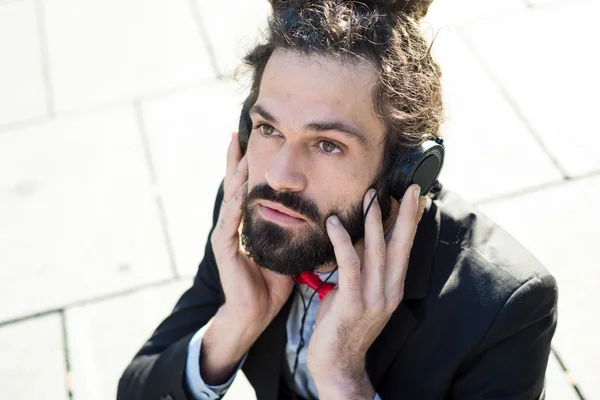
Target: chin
[{"x": 283, "y": 250}]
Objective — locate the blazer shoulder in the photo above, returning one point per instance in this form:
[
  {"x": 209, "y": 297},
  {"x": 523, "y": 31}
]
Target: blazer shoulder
[{"x": 487, "y": 246}]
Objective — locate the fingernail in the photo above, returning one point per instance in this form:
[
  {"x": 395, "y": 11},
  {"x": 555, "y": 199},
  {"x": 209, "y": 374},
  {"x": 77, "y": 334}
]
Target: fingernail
[
  {"x": 372, "y": 194},
  {"x": 333, "y": 221},
  {"x": 417, "y": 192}
]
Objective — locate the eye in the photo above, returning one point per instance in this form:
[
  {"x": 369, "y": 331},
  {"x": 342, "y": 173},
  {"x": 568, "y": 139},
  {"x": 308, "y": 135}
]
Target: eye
[
  {"x": 329, "y": 147},
  {"x": 266, "y": 130}
]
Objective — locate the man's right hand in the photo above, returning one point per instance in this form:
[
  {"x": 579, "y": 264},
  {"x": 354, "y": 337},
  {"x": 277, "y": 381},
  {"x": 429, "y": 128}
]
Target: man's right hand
[{"x": 253, "y": 295}]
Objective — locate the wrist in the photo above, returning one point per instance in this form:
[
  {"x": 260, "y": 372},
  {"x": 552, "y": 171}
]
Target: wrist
[
  {"x": 242, "y": 333},
  {"x": 224, "y": 344},
  {"x": 349, "y": 383}
]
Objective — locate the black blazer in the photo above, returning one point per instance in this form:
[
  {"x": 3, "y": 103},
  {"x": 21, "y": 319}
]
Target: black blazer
[{"x": 478, "y": 315}]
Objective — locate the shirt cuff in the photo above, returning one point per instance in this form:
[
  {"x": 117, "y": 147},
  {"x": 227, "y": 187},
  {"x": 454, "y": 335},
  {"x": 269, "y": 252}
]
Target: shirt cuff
[
  {"x": 377, "y": 397},
  {"x": 196, "y": 385}
]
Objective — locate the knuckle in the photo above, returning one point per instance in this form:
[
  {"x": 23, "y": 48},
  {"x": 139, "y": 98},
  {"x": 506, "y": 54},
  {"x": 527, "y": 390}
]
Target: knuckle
[
  {"x": 378, "y": 306},
  {"x": 381, "y": 250},
  {"x": 395, "y": 298},
  {"x": 355, "y": 312},
  {"x": 346, "y": 240},
  {"x": 353, "y": 261}
]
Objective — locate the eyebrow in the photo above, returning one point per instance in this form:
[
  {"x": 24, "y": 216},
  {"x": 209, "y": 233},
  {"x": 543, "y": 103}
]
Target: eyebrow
[{"x": 318, "y": 126}]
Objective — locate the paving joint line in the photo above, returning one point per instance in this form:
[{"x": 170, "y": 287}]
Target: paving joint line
[
  {"x": 23, "y": 124},
  {"x": 511, "y": 102},
  {"x": 535, "y": 188},
  {"x": 162, "y": 214},
  {"x": 91, "y": 301},
  {"x": 205, "y": 38},
  {"x": 65, "y": 337},
  {"x": 45, "y": 56},
  {"x": 143, "y": 132},
  {"x": 568, "y": 375}
]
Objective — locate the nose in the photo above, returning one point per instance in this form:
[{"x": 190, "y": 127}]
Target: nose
[{"x": 286, "y": 173}]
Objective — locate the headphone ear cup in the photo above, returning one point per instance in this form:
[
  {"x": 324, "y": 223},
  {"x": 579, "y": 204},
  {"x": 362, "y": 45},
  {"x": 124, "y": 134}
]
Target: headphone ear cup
[
  {"x": 245, "y": 125},
  {"x": 421, "y": 165}
]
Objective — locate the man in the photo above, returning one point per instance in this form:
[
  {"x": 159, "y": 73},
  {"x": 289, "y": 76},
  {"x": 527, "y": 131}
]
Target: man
[{"x": 432, "y": 300}]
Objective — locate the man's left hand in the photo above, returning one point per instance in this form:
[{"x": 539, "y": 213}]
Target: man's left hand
[{"x": 370, "y": 288}]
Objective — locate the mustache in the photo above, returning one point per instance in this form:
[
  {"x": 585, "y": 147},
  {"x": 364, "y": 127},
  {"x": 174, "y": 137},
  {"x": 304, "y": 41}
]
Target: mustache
[{"x": 291, "y": 200}]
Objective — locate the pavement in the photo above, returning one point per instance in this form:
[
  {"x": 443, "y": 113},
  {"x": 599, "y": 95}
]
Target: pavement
[{"x": 114, "y": 120}]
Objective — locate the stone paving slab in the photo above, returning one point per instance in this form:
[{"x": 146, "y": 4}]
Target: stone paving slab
[
  {"x": 189, "y": 211},
  {"x": 188, "y": 133},
  {"x": 234, "y": 32},
  {"x": 482, "y": 131},
  {"x": 32, "y": 364},
  {"x": 447, "y": 13},
  {"x": 547, "y": 59},
  {"x": 560, "y": 227},
  {"x": 78, "y": 217},
  {"x": 106, "y": 50},
  {"x": 22, "y": 90},
  {"x": 104, "y": 337}
]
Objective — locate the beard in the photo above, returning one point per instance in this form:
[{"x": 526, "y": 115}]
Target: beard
[{"x": 292, "y": 251}]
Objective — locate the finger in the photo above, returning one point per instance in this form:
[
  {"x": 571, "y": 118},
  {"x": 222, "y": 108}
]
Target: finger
[
  {"x": 226, "y": 231},
  {"x": 347, "y": 259},
  {"x": 234, "y": 154},
  {"x": 375, "y": 250},
  {"x": 401, "y": 241},
  {"x": 240, "y": 175}
]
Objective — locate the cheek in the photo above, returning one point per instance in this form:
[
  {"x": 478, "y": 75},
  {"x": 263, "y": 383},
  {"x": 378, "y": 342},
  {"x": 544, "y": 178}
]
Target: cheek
[
  {"x": 348, "y": 188},
  {"x": 258, "y": 160}
]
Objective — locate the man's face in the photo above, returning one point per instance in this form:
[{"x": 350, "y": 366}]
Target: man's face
[{"x": 315, "y": 148}]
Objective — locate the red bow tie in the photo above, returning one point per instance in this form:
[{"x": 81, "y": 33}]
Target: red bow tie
[{"x": 312, "y": 280}]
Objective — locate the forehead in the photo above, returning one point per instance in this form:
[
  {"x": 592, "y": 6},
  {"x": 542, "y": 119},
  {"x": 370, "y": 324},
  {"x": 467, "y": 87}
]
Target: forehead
[{"x": 299, "y": 89}]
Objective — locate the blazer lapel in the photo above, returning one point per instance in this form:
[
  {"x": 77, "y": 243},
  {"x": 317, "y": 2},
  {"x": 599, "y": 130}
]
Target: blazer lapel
[{"x": 263, "y": 364}]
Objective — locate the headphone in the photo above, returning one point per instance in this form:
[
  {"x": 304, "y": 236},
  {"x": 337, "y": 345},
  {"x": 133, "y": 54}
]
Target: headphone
[{"x": 421, "y": 165}]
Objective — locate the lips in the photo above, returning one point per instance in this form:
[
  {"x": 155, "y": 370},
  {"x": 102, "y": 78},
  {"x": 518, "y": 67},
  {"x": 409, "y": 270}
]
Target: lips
[{"x": 281, "y": 210}]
